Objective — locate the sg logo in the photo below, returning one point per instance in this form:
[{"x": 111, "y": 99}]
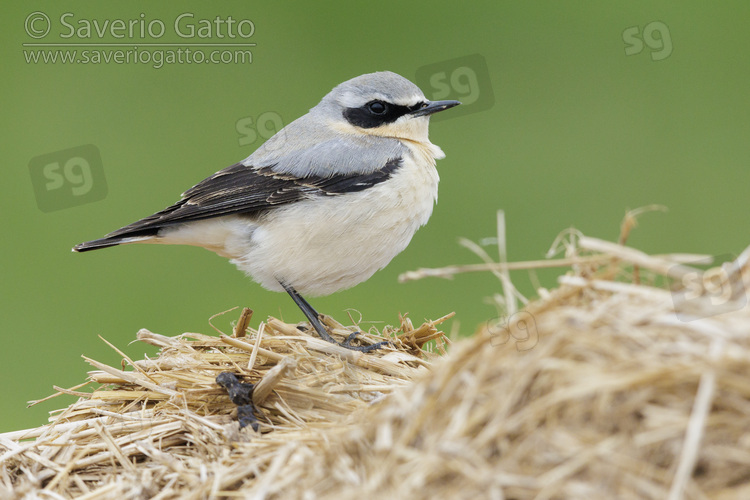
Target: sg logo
[
  {"x": 462, "y": 80},
  {"x": 76, "y": 172},
  {"x": 655, "y": 35},
  {"x": 711, "y": 292},
  {"x": 520, "y": 327},
  {"x": 263, "y": 127},
  {"x": 68, "y": 178},
  {"x": 466, "y": 79}
]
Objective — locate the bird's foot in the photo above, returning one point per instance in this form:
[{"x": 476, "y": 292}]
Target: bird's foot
[
  {"x": 321, "y": 330},
  {"x": 364, "y": 348},
  {"x": 315, "y": 320}
]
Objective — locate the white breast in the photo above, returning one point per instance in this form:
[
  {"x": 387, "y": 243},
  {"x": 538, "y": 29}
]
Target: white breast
[{"x": 331, "y": 243}]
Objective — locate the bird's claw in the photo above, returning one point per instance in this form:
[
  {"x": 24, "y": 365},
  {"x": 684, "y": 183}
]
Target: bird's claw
[{"x": 347, "y": 343}]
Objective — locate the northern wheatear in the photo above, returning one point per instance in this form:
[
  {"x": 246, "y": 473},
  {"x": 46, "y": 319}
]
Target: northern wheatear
[{"x": 321, "y": 205}]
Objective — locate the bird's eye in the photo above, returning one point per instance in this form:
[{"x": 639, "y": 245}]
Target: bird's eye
[{"x": 377, "y": 107}]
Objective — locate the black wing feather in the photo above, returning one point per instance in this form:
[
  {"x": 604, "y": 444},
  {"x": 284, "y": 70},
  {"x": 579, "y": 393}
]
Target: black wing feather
[{"x": 242, "y": 189}]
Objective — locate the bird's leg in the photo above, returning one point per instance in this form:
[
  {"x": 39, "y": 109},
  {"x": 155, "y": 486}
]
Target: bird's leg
[
  {"x": 310, "y": 313},
  {"x": 314, "y": 318}
]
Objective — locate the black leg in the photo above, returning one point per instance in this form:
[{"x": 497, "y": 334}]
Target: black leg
[
  {"x": 314, "y": 318},
  {"x": 310, "y": 313}
]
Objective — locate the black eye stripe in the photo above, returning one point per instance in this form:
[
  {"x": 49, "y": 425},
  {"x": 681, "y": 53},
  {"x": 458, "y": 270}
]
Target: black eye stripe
[{"x": 371, "y": 115}]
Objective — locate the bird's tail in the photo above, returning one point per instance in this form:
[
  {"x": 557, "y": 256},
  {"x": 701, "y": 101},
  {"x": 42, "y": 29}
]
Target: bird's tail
[{"x": 109, "y": 241}]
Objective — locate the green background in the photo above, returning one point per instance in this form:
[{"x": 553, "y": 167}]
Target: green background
[{"x": 578, "y": 133}]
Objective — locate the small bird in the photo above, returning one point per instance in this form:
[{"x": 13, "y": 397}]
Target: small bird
[{"x": 322, "y": 205}]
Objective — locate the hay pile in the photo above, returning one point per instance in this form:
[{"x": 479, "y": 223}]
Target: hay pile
[
  {"x": 624, "y": 382},
  {"x": 165, "y": 429}
]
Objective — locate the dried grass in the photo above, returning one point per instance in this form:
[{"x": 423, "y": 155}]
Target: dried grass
[{"x": 616, "y": 384}]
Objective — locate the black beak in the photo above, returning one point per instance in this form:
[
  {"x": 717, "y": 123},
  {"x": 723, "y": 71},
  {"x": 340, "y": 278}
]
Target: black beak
[{"x": 431, "y": 107}]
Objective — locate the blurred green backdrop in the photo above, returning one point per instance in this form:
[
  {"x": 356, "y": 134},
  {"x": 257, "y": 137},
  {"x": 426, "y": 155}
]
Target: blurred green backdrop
[{"x": 583, "y": 110}]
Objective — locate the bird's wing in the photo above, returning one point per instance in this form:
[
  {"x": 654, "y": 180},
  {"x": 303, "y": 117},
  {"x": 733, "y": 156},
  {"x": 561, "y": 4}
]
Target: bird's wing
[
  {"x": 240, "y": 189},
  {"x": 243, "y": 189}
]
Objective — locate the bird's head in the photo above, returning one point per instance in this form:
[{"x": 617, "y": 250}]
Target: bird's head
[{"x": 381, "y": 104}]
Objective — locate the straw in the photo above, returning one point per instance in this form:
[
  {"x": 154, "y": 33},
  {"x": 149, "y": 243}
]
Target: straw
[{"x": 614, "y": 384}]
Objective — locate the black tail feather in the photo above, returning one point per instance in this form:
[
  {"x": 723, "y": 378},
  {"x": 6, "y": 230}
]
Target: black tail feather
[
  {"x": 96, "y": 244},
  {"x": 114, "y": 240}
]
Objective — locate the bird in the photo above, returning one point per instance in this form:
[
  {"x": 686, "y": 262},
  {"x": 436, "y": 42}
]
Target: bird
[{"x": 323, "y": 204}]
